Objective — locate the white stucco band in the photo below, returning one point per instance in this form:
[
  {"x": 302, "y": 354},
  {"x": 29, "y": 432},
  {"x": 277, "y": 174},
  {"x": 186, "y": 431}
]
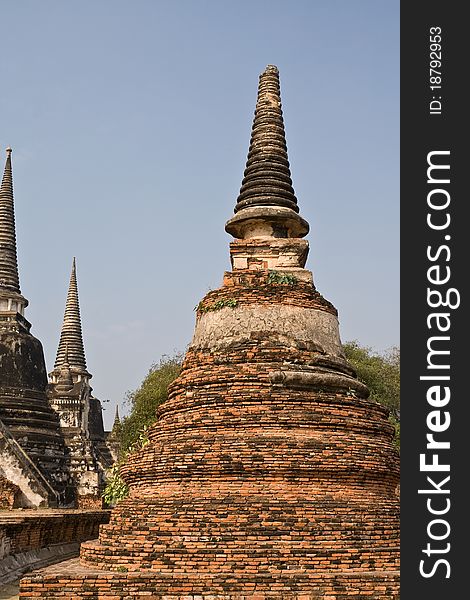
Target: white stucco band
[
  {"x": 12, "y": 470},
  {"x": 219, "y": 328}
]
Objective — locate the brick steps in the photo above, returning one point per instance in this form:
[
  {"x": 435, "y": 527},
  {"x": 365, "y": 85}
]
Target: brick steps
[
  {"x": 73, "y": 581},
  {"x": 242, "y": 534}
]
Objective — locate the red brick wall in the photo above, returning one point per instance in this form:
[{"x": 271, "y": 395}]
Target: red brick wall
[
  {"x": 8, "y": 494},
  {"x": 248, "y": 287},
  {"x": 70, "y": 581},
  {"x": 33, "y": 530}
]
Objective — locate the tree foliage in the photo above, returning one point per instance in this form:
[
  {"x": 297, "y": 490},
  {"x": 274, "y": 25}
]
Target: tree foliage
[
  {"x": 381, "y": 374},
  {"x": 115, "y": 489},
  {"x": 145, "y": 400},
  {"x": 133, "y": 432}
]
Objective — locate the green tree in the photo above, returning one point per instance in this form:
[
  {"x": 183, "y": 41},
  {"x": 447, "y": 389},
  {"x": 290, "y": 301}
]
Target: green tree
[
  {"x": 145, "y": 400},
  {"x": 381, "y": 374},
  {"x": 133, "y": 431}
]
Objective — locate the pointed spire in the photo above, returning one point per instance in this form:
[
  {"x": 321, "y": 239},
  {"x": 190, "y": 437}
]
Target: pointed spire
[
  {"x": 267, "y": 179},
  {"x": 266, "y": 191},
  {"x": 116, "y": 431},
  {"x": 9, "y": 280},
  {"x": 71, "y": 349},
  {"x": 117, "y": 421}
]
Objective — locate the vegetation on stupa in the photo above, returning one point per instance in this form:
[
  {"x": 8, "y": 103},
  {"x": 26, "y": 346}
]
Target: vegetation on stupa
[
  {"x": 143, "y": 403},
  {"x": 380, "y": 372},
  {"x": 145, "y": 400}
]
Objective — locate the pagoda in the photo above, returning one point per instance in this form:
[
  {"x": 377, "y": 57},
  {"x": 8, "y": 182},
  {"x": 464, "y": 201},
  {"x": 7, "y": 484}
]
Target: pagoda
[
  {"x": 79, "y": 412},
  {"x": 32, "y": 453},
  {"x": 114, "y": 438},
  {"x": 269, "y": 473}
]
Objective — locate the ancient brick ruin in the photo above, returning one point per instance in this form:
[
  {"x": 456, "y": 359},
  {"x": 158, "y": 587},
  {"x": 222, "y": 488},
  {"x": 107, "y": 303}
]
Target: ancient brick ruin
[
  {"x": 35, "y": 538},
  {"x": 52, "y": 441},
  {"x": 269, "y": 473}
]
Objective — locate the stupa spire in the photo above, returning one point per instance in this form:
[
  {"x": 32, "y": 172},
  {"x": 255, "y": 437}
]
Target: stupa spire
[
  {"x": 9, "y": 280},
  {"x": 117, "y": 418},
  {"x": 71, "y": 348},
  {"x": 267, "y": 205},
  {"x": 117, "y": 425}
]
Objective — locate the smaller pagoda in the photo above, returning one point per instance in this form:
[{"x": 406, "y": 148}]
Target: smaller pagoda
[
  {"x": 79, "y": 412},
  {"x": 113, "y": 440}
]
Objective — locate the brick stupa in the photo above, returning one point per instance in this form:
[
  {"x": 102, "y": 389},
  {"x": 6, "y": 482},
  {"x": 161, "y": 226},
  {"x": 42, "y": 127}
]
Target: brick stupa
[{"x": 269, "y": 474}]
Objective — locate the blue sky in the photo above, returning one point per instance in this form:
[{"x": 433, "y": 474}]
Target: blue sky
[{"x": 130, "y": 125}]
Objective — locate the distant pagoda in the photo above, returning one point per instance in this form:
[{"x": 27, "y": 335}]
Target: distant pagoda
[
  {"x": 269, "y": 473},
  {"x": 80, "y": 413},
  {"x": 114, "y": 439},
  {"x": 32, "y": 454}
]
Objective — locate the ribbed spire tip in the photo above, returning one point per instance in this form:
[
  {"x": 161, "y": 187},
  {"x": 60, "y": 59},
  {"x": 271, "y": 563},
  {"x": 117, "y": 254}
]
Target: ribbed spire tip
[
  {"x": 8, "y": 150},
  {"x": 266, "y": 194},
  {"x": 270, "y": 69}
]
